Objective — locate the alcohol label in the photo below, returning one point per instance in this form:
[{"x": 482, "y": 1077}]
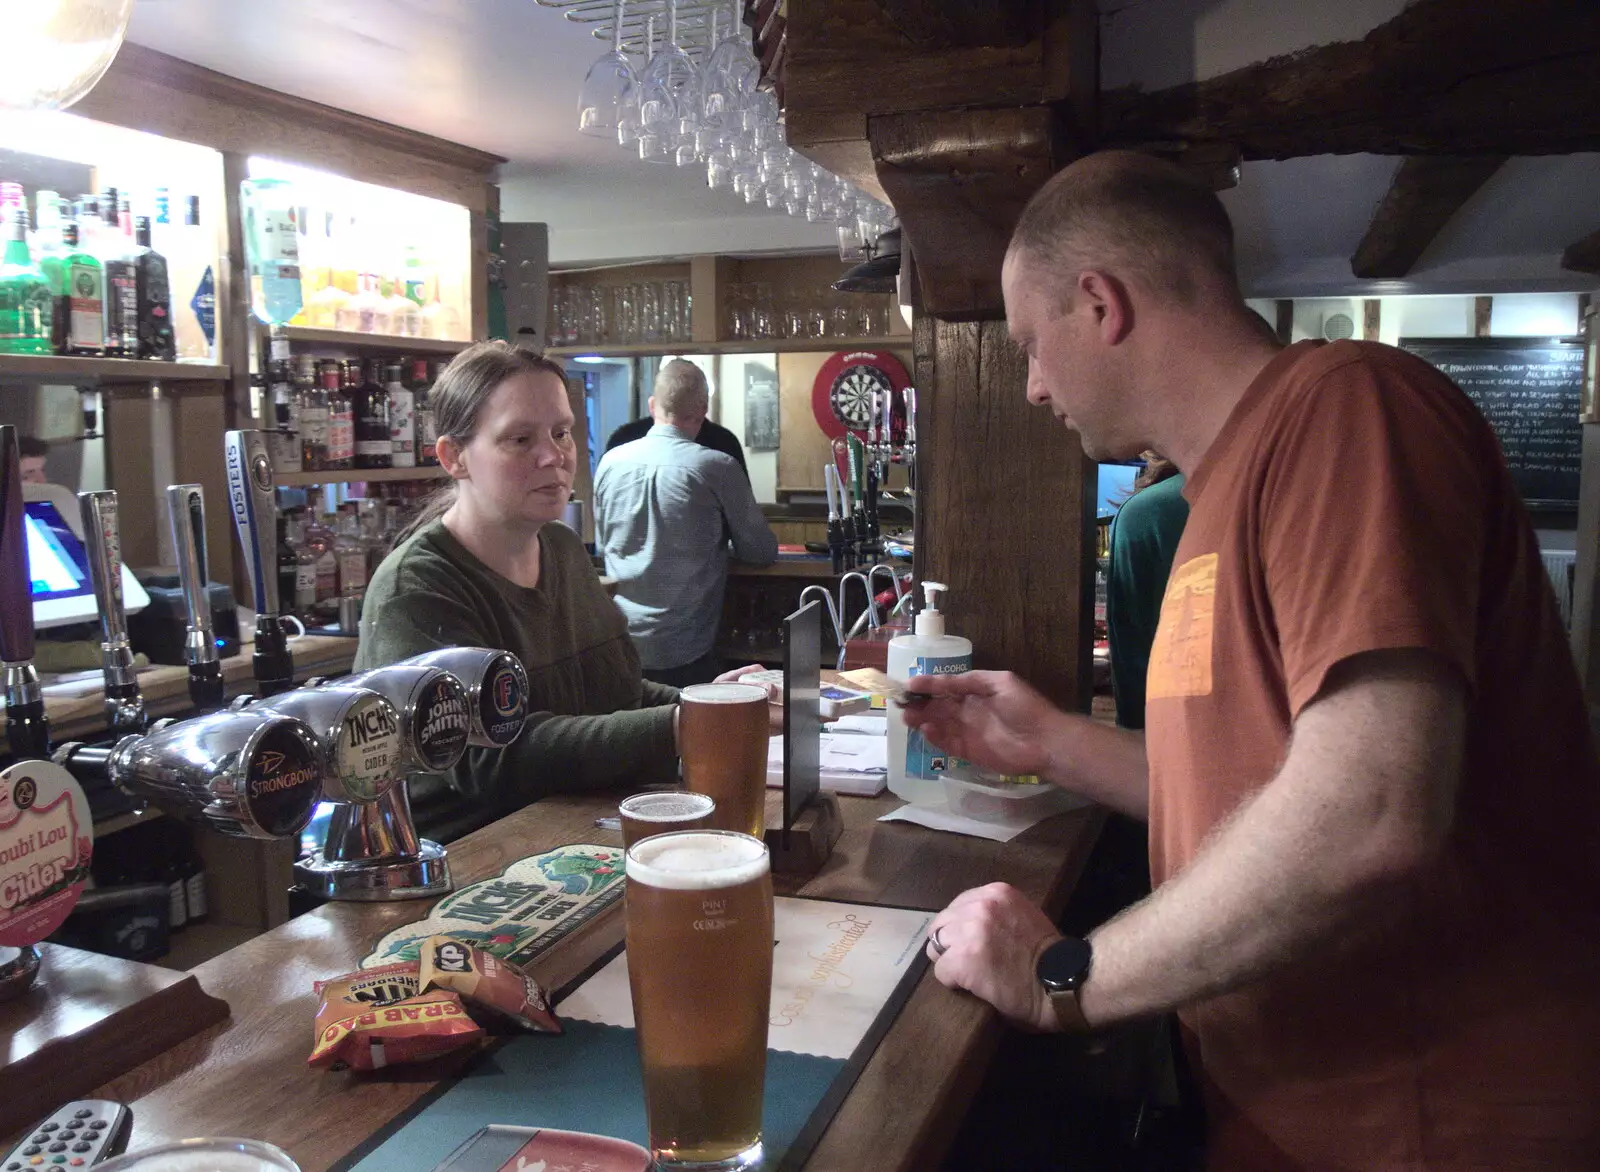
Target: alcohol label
[
  {"x": 284, "y": 780},
  {"x": 366, "y": 758},
  {"x": 204, "y": 304},
  {"x": 46, "y": 841},
  {"x": 352, "y": 571},
  {"x": 305, "y": 586},
  {"x": 86, "y": 307},
  {"x": 341, "y": 436},
  {"x": 923, "y": 760},
  {"x": 443, "y": 723},
  {"x": 503, "y": 704}
]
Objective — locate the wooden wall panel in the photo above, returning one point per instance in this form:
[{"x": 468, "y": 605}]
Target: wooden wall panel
[{"x": 1005, "y": 513}]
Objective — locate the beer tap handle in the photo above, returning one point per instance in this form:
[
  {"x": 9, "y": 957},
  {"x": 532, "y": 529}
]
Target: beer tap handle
[
  {"x": 186, "y": 510},
  {"x": 250, "y": 489},
  {"x": 27, "y": 727},
  {"x": 125, "y": 712},
  {"x": 830, "y": 474}
]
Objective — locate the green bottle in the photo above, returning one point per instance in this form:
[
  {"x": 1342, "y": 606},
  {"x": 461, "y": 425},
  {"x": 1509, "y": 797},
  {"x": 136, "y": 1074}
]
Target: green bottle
[
  {"x": 80, "y": 292},
  {"x": 25, "y": 299}
]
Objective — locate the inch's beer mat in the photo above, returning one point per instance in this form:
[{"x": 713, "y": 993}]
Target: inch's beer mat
[
  {"x": 834, "y": 966},
  {"x": 522, "y": 911}
]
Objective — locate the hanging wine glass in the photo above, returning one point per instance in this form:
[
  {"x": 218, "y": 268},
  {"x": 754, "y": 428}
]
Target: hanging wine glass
[
  {"x": 608, "y": 89},
  {"x": 666, "y": 99}
]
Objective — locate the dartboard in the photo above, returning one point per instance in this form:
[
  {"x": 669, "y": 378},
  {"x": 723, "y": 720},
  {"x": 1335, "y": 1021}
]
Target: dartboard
[{"x": 841, "y": 397}]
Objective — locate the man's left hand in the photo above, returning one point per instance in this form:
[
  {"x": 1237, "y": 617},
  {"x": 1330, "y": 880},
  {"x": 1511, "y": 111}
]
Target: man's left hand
[
  {"x": 988, "y": 942},
  {"x": 774, "y": 694}
]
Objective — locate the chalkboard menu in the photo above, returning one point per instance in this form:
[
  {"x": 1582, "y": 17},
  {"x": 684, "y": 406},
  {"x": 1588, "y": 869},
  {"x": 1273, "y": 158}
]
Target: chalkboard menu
[{"x": 1529, "y": 389}]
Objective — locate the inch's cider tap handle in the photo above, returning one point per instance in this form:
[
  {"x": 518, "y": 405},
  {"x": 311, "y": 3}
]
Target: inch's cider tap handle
[
  {"x": 250, "y": 490},
  {"x": 186, "y": 510},
  {"x": 102, "y": 541},
  {"x": 27, "y": 728}
]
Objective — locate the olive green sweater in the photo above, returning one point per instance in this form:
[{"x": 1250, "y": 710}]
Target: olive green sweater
[{"x": 594, "y": 721}]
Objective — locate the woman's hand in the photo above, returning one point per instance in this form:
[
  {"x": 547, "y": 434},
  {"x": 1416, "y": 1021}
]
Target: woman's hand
[{"x": 774, "y": 693}]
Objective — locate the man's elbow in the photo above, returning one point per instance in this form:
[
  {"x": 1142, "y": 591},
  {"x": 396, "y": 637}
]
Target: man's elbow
[{"x": 1403, "y": 844}]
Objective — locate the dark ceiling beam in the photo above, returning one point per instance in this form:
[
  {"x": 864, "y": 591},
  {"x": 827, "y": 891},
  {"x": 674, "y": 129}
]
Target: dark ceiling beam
[
  {"x": 1583, "y": 256},
  {"x": 1492, "y": 77},
  {"x": 1425, "y": 192},
  {"x": 958, "y": 180}
]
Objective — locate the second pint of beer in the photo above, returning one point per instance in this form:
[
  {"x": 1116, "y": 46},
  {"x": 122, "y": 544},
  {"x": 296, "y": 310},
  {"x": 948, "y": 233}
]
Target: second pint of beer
[
  {"x": 699, "y": 912},
  {"x": 722, "y": 739}
]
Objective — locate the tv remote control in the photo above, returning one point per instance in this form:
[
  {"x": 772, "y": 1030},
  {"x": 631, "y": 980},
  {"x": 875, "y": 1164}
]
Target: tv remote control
[{"x": 76, "y": 1135}]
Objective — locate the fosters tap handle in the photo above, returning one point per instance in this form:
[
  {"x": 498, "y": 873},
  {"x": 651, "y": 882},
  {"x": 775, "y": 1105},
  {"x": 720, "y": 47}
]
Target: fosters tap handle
[
  {"x": 186, "y": 510},
  {"x": 102, "y": 541},
  {"x": 27, "y": 728},
  {"x": 250, "y": 492}
]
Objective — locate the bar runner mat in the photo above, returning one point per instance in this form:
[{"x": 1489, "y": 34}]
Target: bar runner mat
[{"x": 588, "y": 1079}]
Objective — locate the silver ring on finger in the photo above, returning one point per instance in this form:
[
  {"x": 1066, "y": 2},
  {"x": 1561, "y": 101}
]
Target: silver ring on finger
[{"x": 936, "y": 940}]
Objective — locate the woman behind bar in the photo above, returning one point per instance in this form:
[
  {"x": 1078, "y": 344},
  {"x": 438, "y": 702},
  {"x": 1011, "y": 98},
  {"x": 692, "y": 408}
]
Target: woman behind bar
[{"x": 482, "y": 566}]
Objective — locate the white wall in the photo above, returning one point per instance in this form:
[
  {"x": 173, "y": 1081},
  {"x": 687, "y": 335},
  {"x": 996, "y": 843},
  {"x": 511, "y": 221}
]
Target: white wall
[
  {"x": 1511, "y": 314},
  {"x": 729, "y": 401}
]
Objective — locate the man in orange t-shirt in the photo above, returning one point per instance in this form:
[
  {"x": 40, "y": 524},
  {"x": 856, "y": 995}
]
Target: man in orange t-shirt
[{"x": 1373, "y": 798}]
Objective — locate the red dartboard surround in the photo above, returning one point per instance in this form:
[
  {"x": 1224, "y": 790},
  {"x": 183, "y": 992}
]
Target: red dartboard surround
[{"x": 838, "y": 397}]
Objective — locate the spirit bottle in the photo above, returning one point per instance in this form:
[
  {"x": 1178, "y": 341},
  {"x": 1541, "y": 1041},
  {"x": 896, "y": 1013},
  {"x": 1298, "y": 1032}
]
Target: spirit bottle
[
  {"x": 283, "y": 442},
  {"x": 422, "y": 395},
  {"x": 272, "y": 249},
  {"x": 156, "y": 339},
  {"x": 313, "y": 401},
  {"x": 26, "y": 302},
  {"x": 374, "y": 447},
  {"x": 338, "y": 381},
  {"x": 402, "y": 418},
  {"x": 305, "y": 581},
  {"x": 195, "y": 312},
  {"x": 352, "y": 554},
  {"x": 80, "y": 311},
  {"x": 122, "y": 282}
]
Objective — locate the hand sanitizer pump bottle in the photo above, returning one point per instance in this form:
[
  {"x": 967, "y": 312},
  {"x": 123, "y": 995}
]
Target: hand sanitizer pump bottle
[{"x": 916, "y": 768}]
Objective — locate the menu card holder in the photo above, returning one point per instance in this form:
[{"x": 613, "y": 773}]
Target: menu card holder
[{"x": 811, "y": 819}]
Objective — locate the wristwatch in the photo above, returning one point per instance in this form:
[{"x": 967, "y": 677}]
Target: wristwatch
[{"x": 1062, "y": 970}]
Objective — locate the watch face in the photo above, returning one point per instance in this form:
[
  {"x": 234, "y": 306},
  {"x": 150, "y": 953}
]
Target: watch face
[{"x": 1064, "y": 965}]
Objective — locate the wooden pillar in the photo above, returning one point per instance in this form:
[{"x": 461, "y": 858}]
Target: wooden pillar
[{"x": 1005, "y": 510}]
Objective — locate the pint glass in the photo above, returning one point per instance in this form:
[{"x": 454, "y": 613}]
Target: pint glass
[
  {"x": 204, "y": 1155},
  {"x": 658, "y": 813},
  {"x": 722, "y": 739},
  {"x": 699, "y": 911}
]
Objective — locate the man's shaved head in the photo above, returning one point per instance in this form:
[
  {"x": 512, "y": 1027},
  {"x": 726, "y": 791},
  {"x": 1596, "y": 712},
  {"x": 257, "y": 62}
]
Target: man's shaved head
[{"x": 1139, "y": 218}]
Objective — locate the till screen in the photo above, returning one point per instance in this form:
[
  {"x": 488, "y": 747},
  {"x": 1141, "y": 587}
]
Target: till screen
[{"x": 57, "y": 563}]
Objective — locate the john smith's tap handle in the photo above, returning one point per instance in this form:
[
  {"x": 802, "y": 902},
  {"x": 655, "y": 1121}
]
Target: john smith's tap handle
[
  {"x": 250, "y": 489},
  {"x": 27, "y": 729}
]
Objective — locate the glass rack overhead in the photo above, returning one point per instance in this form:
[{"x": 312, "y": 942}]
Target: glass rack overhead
[{"x": 694, "y": 20}]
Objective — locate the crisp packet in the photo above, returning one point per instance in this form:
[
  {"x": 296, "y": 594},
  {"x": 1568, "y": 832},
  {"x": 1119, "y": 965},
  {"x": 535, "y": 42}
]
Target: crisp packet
[
  {"x": 376, "y": 1017},
  {"x": 485, "y": 982}
]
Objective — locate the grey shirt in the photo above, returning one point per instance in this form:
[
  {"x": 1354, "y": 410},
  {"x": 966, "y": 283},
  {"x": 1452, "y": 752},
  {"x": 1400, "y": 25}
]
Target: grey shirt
[{"x": 661, "y": 504}]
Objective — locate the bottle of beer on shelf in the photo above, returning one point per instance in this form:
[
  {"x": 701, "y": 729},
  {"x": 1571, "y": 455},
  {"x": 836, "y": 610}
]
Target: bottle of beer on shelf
[
  {"x": 288, "y": 567},
  {"x": 374, "y": 447},
  {"x": 283, "y": 442},
  {"x": 336, "y": 378},
  {"x": 154, "y": 299},
  {"x": 319, "y": 540},
  {"x": 312, "y": 402},
  {"x": 422, "y": 405},
  {"x": 27, "y": 305},
  {"x": 402, "y": 418}
]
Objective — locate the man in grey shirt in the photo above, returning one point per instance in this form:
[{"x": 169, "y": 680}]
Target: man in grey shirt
[{"x": 665, "y": 508}]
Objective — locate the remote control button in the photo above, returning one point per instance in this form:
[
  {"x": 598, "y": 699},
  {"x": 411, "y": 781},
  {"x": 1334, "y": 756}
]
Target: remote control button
[
  {"x": 58, "y": 1146},
  {"x": 42, "y": 1138},
  {"x": 13, "y": 1166},
  {"x": 82, "y": 1147},
  {"x": 32, "y": 1149},
  {"x": 98, "y": 1125},
  {"x": 82, "y": 1113},
  {"x": 48, "y": 1126}
]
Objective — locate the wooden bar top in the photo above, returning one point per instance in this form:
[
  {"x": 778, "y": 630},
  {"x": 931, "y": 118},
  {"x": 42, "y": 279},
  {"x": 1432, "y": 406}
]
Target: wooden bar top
[
  {"x": 166, "y": 688},
  {"x": 248, "y": 1076}
]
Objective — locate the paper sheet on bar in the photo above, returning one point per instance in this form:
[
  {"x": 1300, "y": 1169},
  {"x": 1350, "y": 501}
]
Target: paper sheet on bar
[
  {"x": 849, "y": 763},
  {"x": 833, "y": 967}
]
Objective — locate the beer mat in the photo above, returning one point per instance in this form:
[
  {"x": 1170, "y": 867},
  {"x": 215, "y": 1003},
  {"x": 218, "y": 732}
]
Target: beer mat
[
  {"x": 588, "y": 1078},
  {"x": 833, "y": 967},
  {"x": 521, "y": 912}
]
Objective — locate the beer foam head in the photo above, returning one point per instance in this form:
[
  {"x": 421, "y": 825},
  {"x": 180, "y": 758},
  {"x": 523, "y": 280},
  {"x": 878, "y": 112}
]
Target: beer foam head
[
  {"x": 666, "y": 807},
  {"x": 722, "y": 694},
  {"x": 697, "y": 860}
]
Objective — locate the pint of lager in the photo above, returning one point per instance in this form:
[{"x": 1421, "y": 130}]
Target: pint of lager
[
  {"x": 699, "y": 910},
  {"x": 722, "y": 739},
  {"x": 665, "y": 810}
]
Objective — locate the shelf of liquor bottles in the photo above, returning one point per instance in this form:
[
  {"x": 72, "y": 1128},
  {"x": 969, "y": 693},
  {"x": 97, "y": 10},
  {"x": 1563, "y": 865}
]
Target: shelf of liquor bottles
[
  {"x": 357, "y": 476},
  {"x": 53, "y": 370},
  {"x": 371, "y": 343},
  {"x": 741, "y": 346}
]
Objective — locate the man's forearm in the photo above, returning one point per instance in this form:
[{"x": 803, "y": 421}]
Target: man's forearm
[{"x": 1101, "y": 762}]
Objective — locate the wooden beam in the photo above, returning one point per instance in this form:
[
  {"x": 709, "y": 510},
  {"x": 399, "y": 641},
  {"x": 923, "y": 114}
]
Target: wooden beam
[
  {"x": 1583, "y": 256},
  {"x": 1482, "y": 314},
  {"x": 958, "y": 180},
  {"x": 1021, "y": 578},
  {"x": 1371, "y": 319},
  {"x": 1425, "y": 192},
  {"x": 1284, "y": 325},
  {"x": 1441, "y": 78}
]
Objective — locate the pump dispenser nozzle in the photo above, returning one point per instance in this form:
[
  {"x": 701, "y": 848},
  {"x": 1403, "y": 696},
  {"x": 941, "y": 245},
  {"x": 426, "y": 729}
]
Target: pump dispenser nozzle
[{"x": 930, "y": 619}]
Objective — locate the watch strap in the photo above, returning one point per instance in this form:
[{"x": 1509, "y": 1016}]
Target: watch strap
[{"x": 1069, "y": 1015}]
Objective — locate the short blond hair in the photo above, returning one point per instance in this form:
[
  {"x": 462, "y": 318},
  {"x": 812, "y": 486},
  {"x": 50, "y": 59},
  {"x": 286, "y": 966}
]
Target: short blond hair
[{"x": 681, "y": 391}]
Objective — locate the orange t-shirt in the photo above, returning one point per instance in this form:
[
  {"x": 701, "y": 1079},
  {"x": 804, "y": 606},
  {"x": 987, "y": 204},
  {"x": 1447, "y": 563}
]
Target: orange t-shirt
[{"x": 1355, "y": 501}]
